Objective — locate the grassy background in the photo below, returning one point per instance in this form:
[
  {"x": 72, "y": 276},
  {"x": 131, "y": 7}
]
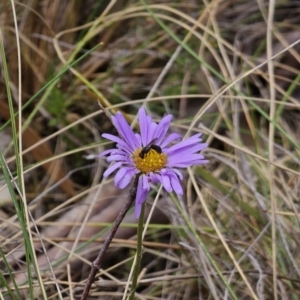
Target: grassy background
[{"x": 228, "y": 69}]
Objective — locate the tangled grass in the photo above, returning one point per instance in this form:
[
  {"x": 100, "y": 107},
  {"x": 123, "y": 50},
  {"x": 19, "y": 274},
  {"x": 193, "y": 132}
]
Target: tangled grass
[{"x": 229, "y": 69}]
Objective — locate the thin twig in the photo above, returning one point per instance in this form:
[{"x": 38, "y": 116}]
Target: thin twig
[{"x": 97, "y": 263}]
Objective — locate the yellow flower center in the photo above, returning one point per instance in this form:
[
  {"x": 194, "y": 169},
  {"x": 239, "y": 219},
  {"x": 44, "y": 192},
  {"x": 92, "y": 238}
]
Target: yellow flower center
[{"x": 151, "y": 162}]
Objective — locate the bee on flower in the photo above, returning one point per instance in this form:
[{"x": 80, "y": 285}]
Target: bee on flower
[{"x": 151, "y": 155}]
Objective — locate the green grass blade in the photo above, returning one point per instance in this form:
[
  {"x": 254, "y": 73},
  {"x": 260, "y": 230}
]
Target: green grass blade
[
  {"x": 20, "y": 214},
  {"x": 4, "y": 281}
]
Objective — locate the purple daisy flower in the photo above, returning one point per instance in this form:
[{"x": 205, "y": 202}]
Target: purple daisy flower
[{"x": 150, "y": 155}]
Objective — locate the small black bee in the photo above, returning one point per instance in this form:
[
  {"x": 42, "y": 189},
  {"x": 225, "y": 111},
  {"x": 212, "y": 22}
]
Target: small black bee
[{"x": 150, "y": 146}]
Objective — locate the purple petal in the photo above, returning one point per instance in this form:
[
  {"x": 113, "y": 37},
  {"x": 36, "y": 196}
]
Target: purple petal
[
  {"x": 146, "y": 186},
  {"x": 111, "y": 169},
  {"x": 155, "y": 178},
  {"x": 125, "y": 180},
  {"x": 171, "y": 181},
  {"x": 125, "y": 130},
  {"x": 117, "y": 157},
  {"x": 191, "y": 149},
  {"x": 178, "y": 173},
  {"x": 106, "y": 152},
  {"x": 145, "y": 124},
  {"x": 176, "y": 185},
  {"x": 178, "y": 159},
  {"x": 200, "y": 162},
  {"x": 179, "y": 165},
  {"x": 181, "y": 157},
  {"x": 162, "y": 128},
  {"x": 119, "y": 178},
  {"x": 151, "y": 136},
  {"x": 170, "y": 138},
  {"x": 116, "y": 139},
  {"x": 139, "y": 139},
  {"x": 188, "y": 164},
  {"x": 143, "y": 189},
  {"x": 166, "y": 182},
  {"x": 185, "y": 143},
  {"x": 137, "y": 210}
]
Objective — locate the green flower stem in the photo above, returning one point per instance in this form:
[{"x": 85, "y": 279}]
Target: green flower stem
[{"x": 138, "y": 256}]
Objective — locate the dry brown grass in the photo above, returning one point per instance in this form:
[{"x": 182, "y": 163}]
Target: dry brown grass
[{"x": 242, "y": 207}]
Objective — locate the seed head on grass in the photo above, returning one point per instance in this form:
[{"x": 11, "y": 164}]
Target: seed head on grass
[{"x": 150, "y": 154}]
